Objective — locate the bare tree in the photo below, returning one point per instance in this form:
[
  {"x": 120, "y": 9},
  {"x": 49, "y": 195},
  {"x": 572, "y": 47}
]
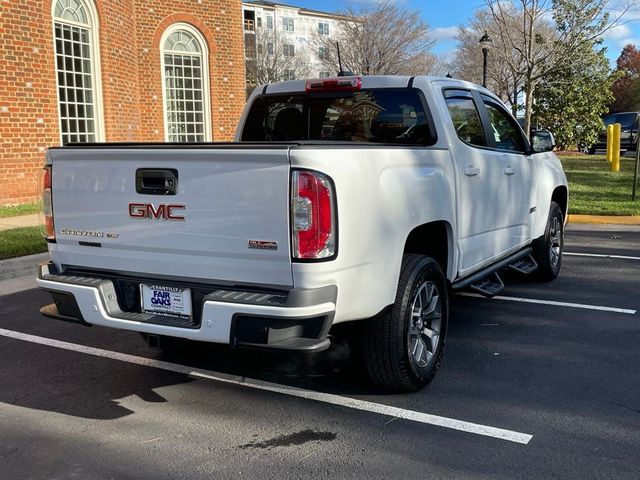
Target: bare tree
[
  {"x": 541, "y": 36},
  {"x": 381, "y": 38},
  {"x": 276, "y": 57},
  {"x": 502, "y": 78},
  {"x": 426, "y": 64}
]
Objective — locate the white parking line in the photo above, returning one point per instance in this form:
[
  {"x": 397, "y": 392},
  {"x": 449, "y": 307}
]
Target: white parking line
[
  {"x": 552, "y": 302},
  {"x": 600, "y": 255},
  {"x": 347, "y": 402}
]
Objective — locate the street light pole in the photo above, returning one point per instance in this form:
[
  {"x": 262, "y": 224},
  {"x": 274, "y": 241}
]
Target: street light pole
[
  {"x": 485, "y": 42},
  {"x": 485, "y": 53}
]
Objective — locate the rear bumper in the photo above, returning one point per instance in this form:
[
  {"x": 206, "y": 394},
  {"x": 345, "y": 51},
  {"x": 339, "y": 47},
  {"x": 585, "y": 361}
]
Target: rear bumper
[{"x": 293, "y": 320}]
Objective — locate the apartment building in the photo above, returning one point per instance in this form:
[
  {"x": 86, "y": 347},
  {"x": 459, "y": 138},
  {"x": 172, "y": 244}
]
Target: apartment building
[{"x": 281, "y": 41}]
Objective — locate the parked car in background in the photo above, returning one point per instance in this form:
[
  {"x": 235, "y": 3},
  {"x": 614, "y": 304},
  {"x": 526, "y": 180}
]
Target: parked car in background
[{"x": 628, "y": 135}]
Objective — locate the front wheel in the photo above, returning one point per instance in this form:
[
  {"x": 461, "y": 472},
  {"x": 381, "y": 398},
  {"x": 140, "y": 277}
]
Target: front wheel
[
  {"x": 547, "y": 250},
  {"x": 403, "y": 345}
]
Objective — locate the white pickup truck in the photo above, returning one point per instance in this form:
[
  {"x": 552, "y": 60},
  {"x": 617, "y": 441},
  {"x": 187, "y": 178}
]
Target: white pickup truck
[{"x": 342, "y": 199}]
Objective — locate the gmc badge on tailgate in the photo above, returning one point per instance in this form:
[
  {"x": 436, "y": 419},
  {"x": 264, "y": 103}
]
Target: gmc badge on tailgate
[{"x": 164, "y": 211}]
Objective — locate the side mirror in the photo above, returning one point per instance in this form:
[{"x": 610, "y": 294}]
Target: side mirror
[{"x": 542, "y": 141}]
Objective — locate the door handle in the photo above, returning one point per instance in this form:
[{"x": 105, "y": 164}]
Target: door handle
[
  {"x": 508, "y": 170},
  {"x": 157, "y": 181},
  {"x": 471, "y": 171}
]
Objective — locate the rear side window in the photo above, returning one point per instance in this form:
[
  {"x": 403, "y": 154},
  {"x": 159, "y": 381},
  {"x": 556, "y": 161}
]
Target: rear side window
[
  {"x": 395, "y": 116},
  {"x": 466, "y": 120}
]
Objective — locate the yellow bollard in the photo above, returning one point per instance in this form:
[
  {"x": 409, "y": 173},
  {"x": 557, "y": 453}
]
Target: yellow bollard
[
  {"x": 615, "y": 163},
  {"x": 610, "y": 143}
]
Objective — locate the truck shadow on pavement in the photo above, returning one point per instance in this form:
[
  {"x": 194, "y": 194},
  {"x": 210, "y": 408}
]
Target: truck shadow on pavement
[
  {"x": 493, "y": 351},
  {"x": 336, "y": 370},
  {"x": 72, "y": 383}
]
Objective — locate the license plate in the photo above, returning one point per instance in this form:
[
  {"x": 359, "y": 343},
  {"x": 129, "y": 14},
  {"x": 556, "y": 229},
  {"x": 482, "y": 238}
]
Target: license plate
[{"x": 173, "y": 301}]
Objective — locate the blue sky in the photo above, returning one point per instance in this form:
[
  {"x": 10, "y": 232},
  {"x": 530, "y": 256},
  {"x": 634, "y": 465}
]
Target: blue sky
[{"x": 443, "y": 17}]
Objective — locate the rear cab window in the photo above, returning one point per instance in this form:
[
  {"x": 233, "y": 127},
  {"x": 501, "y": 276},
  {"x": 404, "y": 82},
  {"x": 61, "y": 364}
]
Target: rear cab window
[{"x": 385, "y": 116}]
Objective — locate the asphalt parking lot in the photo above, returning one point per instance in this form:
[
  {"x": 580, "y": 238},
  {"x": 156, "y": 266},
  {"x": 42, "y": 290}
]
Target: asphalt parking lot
[{"x": 542, "y": 382}]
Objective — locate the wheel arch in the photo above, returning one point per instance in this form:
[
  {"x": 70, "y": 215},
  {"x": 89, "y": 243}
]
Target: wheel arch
[
  {"x": 560, "y": 195},
  {"x": 434, "y": 239}
]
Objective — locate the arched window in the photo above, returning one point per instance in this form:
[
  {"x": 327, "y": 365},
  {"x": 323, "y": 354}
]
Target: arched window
[
  {"x": 185, "y": 77},
  {"x": 75, "y": 28}
]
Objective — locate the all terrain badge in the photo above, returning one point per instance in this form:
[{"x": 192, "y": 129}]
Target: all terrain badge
[{"x": 263, "y": 244}]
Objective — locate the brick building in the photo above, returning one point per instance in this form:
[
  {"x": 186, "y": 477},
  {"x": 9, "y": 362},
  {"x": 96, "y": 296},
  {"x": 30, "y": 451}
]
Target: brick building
[{"x": 121, "y": 70}]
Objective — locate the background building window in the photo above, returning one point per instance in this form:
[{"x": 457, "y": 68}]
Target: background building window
[
  {"x": 287, "y": 24},
  {"x": 269, "y": 48},
  {"x": 288, "y": 50},
  {"x": 289, "y": 75},
  {"x": 74, "y": 27},
  {"x": 322, "y": 53},
  {"x": 324, "y": 74},
  {"x": 323, "y": 28},
  {"x": 270, "y": 22},
  {"x": 186, "y": 85}
]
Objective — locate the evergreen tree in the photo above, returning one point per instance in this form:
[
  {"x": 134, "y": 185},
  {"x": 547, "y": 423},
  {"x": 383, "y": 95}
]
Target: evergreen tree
[{"x": 571, "y": 100}]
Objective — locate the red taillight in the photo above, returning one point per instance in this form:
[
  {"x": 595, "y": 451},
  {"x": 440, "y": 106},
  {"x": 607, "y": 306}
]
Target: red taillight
[
  {"x": 48, "y": 228},
  {"x": 334, "y": 84},
  {"x": 312, "y": 215}
]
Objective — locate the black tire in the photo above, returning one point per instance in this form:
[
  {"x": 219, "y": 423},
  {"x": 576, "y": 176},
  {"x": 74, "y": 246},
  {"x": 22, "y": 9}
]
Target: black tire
[
  {"x": 390, "y": 341},
  {"x": 547, "y": 250}
]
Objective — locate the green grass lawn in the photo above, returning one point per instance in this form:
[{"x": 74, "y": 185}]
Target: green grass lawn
[
  {"x": 21, "y": 241},
  {"x": 595, "y": 190},
  {"x": 17, "y": 210}
]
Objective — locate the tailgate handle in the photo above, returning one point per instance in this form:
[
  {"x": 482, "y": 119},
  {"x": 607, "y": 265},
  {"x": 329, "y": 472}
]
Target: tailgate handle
[{"x": 157, "y": 181}]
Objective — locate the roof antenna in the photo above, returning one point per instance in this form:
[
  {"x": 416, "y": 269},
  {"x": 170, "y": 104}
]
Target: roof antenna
[{"x": 341, "y": 73}]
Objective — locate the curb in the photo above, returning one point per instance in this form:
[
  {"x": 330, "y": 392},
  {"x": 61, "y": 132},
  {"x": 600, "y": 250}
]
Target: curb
[
  {"x": 21, "y": 266},
  {"x": 605, "y": 219}
]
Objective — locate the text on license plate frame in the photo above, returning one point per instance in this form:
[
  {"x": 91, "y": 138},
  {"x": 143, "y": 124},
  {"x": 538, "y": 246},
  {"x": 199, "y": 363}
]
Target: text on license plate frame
[{"x": 166, "y": 300}]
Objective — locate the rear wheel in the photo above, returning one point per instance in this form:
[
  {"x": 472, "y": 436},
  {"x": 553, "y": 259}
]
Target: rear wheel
[
  {"x": 547, "y": 250},
  {"x": 404, "y": 344}
]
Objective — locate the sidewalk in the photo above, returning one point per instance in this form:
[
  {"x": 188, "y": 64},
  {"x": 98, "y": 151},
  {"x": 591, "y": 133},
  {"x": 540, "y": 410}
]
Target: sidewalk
[{"x": 16, "y": 222}]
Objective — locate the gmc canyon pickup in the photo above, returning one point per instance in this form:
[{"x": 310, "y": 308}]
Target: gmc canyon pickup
[{"x": 345, "y": 199}]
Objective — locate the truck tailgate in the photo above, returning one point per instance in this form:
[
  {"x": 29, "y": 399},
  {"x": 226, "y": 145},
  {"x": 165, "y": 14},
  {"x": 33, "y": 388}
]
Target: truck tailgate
[{"x": 234, "y": 200}]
